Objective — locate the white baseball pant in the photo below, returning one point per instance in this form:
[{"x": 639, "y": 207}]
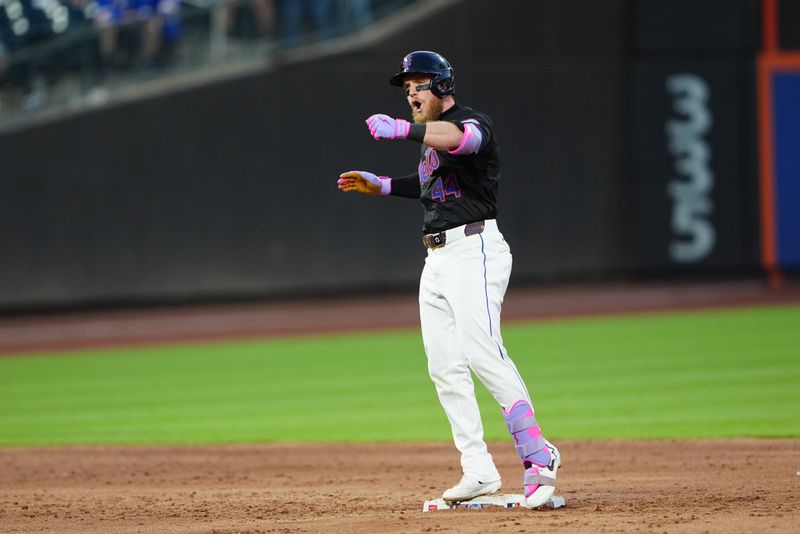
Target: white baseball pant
[{"x": 461, "y": 292}]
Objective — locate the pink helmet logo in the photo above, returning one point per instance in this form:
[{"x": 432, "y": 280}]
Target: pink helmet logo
[{"x": 407, "y": 62}]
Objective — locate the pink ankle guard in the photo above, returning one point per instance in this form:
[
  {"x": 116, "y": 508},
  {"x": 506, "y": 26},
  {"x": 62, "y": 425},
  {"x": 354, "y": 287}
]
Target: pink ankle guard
[{"x": 522, "y": 426}]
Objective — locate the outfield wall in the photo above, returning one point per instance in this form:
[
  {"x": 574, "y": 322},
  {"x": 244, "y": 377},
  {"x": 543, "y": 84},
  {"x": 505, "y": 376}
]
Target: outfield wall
[
  {"x": 228, "y": 190},
  {"x": 692, "y": 134}
]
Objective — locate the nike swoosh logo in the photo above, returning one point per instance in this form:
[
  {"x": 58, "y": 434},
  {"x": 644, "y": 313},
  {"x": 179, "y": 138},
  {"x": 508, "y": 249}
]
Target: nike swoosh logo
[{"x": 552, "y": 465}]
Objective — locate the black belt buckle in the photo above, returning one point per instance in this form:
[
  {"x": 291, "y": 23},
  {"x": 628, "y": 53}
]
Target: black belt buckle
[{"x": 434, "y": 240}]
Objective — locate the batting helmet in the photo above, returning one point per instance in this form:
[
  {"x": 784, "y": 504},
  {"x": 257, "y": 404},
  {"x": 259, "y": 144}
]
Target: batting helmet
[{"x": 424, "y": 62}]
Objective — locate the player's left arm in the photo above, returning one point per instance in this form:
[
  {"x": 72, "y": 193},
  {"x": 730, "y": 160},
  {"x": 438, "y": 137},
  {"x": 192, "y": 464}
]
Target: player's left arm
[
  {"x": 442, "y": 135},
  {"x": 464, "y": 137}
]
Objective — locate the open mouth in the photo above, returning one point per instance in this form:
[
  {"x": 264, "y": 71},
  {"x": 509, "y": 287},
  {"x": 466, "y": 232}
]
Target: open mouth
[{"x": 416, "y": 105}]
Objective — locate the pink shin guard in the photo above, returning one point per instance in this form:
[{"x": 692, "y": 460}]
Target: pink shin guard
[{"x": 528, "y": 439}]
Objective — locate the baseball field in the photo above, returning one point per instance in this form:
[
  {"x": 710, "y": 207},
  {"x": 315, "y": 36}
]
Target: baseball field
[{"x": 682, "y": 417}]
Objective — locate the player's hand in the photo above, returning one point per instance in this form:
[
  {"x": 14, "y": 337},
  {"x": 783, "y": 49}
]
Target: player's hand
[
  {"x": 384, "y": 127},
  {"x": 364, "y": 182}
]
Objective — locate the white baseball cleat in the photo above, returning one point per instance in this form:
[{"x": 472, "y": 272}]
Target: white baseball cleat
[
  {"x": 469, "y": 488},
  {"x": 544, "y": 477}
]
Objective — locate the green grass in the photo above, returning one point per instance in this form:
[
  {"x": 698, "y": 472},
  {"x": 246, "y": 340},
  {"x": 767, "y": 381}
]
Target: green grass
[{"x": 674, "y": 375}]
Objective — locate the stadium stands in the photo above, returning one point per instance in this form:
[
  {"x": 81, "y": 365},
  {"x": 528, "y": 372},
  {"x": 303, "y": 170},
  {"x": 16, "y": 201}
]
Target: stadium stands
[{"x": 65, "y": 52}]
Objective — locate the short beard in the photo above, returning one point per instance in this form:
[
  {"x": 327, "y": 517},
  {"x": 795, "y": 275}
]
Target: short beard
[{"x": 435, "y": 111}]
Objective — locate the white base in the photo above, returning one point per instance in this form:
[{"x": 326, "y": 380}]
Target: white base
[{"x": 496, "y": 499}]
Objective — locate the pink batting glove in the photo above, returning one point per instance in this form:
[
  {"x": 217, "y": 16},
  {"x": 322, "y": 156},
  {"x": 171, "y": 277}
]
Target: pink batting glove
[{"x": 383, "y": 126}]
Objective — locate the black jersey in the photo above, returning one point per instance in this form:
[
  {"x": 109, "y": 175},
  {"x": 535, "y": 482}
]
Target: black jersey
[{"x": 457, "y": 190}]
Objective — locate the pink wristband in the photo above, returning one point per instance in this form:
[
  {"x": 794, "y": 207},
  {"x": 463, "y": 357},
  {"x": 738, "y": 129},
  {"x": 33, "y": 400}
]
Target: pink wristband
[
  {"x": 401, "y": 128},
  {"x": 386, "y": 185}
]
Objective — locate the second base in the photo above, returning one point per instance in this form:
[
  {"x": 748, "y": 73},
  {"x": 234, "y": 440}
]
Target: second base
[{"x": 485, "y": 501}]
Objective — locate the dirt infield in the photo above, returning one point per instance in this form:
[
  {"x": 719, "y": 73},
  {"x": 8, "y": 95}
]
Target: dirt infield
[
  {"x": 610, "y": 486},
  {"x": 625, "y": 486}
]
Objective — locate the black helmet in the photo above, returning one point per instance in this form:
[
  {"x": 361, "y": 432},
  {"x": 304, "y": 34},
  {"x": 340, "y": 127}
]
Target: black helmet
[{"x": 424, "y": 62}]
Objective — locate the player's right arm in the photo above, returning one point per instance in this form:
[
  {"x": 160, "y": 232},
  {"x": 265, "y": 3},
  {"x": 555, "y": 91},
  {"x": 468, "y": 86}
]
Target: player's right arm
[
  {"x": 371, "y": 184},
  {"x": 364, "y": 182}
]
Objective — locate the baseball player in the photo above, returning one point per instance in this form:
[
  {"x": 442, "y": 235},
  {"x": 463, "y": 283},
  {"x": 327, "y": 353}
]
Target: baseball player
[{"x": 465, "y": 274}]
